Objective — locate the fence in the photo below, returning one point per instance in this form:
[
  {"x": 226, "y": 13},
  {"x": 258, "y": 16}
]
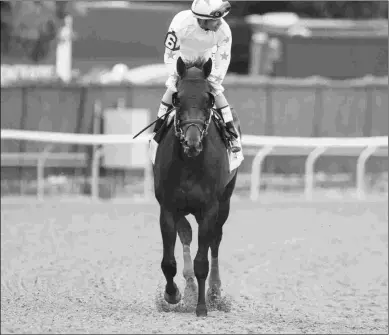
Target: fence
[
  {"x": 312, "y": 107},
  {"x": 268, "y": 145}
]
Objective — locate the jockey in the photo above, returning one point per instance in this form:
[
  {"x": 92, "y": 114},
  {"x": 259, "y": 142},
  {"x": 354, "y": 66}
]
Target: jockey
[{"x": 201, "y": 33}]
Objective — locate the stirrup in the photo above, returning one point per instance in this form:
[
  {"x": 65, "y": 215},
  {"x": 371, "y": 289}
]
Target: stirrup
[{"x": 235, "y": 146}]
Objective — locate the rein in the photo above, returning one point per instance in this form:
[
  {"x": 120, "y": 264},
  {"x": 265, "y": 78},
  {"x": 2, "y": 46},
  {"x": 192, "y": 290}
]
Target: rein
[{"x": 158, "y": 118}]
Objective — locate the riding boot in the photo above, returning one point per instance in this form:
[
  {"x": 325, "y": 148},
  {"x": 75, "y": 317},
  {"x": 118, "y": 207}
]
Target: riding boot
[
  {"x": 236, "y": 145},
  {"x": 163, "y": 108},
  {"x": 158, "y": 125}
]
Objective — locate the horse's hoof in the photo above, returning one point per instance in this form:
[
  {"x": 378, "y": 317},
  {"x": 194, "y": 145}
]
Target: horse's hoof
[
  {"x": 189, "y": 279},
  {"x": 173, "y": 299},
  {"x": 213, "y": 293},
  {"x": 201, "y": 310},
  {"x": 190, "y": 283}
]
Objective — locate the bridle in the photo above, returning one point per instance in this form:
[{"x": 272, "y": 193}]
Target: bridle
[{"x": 201, "y": 125}]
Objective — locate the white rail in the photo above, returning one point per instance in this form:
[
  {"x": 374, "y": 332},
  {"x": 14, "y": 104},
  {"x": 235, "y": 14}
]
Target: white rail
[{"x": 267, "y": 145}]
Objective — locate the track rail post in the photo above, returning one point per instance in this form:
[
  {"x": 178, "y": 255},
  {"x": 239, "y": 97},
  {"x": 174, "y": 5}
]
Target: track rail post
[
  {"x": 40, "y": 171},
  {"x": 97, "y": 154},
  {"x": 361, "y": 170},
  {"x": 256, "y": 170},
  {"x": 309, "y": 170}
]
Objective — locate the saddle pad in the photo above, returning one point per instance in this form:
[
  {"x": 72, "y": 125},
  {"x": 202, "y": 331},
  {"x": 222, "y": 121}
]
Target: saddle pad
[
  {"x": 170, "y": 118},
  {"x": 235, "y": 159}
]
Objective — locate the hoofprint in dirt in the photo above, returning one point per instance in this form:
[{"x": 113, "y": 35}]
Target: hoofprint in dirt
[{"x": 285, "y": 268}]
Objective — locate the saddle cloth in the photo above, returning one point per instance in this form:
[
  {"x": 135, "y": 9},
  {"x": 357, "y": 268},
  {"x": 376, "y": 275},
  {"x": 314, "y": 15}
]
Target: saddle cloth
[{"x": 235, "y": 159}]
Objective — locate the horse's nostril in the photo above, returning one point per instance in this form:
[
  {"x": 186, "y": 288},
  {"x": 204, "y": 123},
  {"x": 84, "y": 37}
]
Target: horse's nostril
[{"x": 193, "y": 141}]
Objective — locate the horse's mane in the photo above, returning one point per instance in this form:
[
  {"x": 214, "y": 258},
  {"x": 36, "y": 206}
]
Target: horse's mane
[
  {"x": 194, "y": 74},
  {"x": 194, "y": 69},
  {"x": 197, "y": 63}
]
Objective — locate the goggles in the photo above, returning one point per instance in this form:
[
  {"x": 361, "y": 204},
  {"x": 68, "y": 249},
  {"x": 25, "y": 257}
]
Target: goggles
[{"x": 218, "y": 13}]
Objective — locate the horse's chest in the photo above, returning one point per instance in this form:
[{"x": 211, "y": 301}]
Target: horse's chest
[{"x": 192, "y": 189}]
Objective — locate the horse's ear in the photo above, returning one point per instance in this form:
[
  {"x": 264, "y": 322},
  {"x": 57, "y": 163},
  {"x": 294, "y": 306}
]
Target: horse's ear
[
  {"x": 207, "y": 68},
  {"x": 181, "y": 67}
]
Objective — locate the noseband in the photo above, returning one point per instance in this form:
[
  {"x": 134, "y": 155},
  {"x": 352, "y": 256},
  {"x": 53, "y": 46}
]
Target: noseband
[{"x": 201, "y": 125}]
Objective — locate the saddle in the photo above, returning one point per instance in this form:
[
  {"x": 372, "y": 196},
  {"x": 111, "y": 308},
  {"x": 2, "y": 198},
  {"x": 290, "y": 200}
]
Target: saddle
[{"x": 217, "y": 118}]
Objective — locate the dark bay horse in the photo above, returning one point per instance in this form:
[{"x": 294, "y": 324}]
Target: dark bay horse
[{"x": 191, "y": 176}]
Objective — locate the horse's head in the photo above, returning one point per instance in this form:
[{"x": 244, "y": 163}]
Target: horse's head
[{"x": 193, "y": 102}]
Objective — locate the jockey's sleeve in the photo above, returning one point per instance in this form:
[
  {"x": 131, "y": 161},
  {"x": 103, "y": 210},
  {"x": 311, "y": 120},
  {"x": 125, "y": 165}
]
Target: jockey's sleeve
[
  {"x": 172, "y": 42},
  {"x": 222, "y": 55}
]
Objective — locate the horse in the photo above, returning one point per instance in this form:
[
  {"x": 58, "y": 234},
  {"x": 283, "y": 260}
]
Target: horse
[{"x": 192, "y": 176}]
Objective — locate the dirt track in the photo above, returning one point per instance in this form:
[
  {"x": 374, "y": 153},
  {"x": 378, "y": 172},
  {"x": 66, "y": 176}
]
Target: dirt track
[{"x": 285, "y": 268}]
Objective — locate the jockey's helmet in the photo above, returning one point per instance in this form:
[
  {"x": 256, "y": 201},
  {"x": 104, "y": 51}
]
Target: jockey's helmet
[{"x": 210, "y": 9}]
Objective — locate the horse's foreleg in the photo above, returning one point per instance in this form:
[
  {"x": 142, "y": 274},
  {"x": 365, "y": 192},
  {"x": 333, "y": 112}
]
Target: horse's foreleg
[
  {"x": 214, "y": 277},
  {"x": 185, "y": 234},
  {"x": 169, "y": 265},
  {"x": 206, "y": 223}
]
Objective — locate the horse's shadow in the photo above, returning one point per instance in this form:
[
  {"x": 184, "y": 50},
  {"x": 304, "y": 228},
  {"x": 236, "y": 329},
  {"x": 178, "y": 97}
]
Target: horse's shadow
[{"x": 189, "y": 301}]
